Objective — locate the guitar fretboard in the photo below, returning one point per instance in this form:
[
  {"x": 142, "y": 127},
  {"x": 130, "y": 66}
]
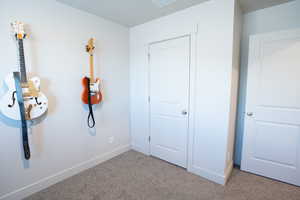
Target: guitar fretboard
[{"x": 22, "y": 61}]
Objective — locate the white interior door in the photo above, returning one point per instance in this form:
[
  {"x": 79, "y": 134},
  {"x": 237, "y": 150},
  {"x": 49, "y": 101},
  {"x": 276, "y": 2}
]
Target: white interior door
[
  {"x": 271, "y": 145},
  {"x": 169, "y": 105}
]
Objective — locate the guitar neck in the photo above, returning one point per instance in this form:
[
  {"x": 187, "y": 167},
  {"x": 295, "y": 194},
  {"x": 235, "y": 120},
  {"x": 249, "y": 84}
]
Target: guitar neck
[
  {"x": 92, "y": 69},
  {"x": 22, "y": 61}
]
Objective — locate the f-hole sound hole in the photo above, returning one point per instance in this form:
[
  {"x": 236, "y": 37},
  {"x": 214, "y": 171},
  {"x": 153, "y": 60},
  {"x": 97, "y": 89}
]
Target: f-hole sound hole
[
  {"x": 37, "y": 102},
  {"x": 13, "y": 99}
]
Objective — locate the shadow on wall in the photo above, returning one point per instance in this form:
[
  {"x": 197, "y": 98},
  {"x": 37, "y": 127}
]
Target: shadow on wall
[{"x": 241, "y": 106}]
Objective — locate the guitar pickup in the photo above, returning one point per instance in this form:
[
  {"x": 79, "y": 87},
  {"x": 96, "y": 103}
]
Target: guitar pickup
[{"x": 93, "y": 93}]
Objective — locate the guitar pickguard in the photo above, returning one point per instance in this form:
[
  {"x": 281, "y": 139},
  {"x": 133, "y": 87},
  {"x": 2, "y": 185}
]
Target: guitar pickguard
[{"x": 95, "y": 87}]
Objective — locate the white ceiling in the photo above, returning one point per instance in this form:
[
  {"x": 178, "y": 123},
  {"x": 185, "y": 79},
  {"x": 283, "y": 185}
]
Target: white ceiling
[{"x": 134, "y": 12}]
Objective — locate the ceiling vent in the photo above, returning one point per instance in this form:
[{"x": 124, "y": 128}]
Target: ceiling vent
[{"x": 163, "y": 3}]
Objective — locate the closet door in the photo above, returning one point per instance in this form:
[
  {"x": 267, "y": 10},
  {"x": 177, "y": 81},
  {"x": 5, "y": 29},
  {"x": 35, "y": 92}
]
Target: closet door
[
  {"x": 169, "y": 63},
  {"x": 271, "y": 145}
]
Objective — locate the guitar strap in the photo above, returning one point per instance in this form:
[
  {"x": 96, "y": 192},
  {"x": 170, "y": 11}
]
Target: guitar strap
[
  {"x": 91, "y": 120},
  {"x": 22, "y": 113}
]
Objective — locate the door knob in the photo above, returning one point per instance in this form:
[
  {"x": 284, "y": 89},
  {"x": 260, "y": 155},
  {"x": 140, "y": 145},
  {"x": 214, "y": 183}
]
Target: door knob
[
  {"x": 250, "y": 114},
  {"x": 184, "y": 112}
]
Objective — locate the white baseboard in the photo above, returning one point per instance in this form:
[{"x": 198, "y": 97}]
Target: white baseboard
[
  {"x": 210, "y": 175},
  {"x": 51, "y": 180}
]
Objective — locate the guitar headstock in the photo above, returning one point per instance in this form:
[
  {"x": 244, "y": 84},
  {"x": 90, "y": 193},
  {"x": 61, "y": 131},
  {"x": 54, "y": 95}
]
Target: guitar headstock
[
  {"x": 18, "y": 30},
  {"x": 90, "y": 46}
]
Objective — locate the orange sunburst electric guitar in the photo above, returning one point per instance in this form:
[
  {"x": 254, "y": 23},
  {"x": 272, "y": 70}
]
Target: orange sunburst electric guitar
[{"x": 92, "y": 92}]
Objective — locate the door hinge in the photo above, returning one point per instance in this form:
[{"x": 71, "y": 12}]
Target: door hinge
[{"x": 149, "y": 138}]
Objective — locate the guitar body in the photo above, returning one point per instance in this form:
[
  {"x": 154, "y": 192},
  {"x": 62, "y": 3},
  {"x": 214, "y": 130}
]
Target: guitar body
[
  {"x": 96, "y": 96},
  {"x": 38, "y": 103}
]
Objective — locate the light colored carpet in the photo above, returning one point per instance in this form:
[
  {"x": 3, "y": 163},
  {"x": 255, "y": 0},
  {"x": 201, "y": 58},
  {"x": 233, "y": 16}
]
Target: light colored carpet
[{"x": 134, "y": 176}]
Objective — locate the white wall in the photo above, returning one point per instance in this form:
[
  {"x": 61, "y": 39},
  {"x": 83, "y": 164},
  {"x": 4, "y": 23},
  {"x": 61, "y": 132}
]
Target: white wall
[
  {"x": 209, "y": 136},
  {"x": 281, "y": 17},
  {"x": 62, "y": 144}
]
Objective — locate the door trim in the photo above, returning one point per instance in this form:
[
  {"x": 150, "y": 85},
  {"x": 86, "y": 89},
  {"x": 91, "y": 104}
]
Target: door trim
[{"x": 192, "y": 92}]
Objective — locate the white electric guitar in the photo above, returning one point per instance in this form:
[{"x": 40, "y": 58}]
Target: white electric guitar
[{"x": 35, "y": 102}]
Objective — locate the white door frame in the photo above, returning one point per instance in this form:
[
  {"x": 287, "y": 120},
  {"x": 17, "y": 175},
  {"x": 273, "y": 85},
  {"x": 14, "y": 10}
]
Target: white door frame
[{"x": 192, "y": 91}]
